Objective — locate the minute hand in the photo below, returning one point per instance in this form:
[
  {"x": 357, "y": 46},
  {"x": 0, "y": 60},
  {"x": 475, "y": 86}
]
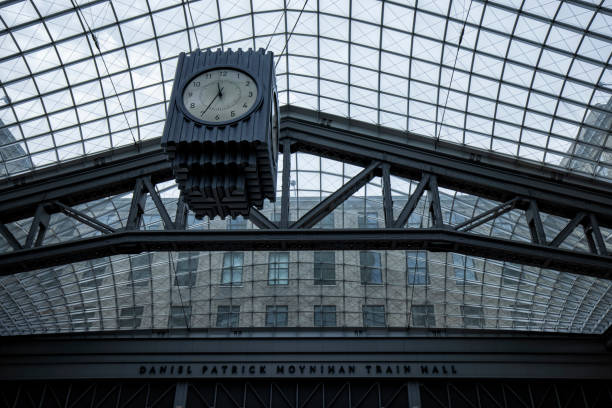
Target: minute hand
[{"x": 211, "y": 102}]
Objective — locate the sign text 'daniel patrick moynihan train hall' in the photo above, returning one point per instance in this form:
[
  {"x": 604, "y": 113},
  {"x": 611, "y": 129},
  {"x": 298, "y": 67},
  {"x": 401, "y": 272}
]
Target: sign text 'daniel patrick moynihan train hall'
[{"x": 297, "y": 369}]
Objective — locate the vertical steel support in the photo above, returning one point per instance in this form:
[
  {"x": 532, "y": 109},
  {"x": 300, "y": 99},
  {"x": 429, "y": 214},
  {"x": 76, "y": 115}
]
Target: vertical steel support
[
  {"x": 180, "y": 395},
  {"x": 168, "y": 224},
  {"x": 414, "y": 395},
  {"x": 137, "y": 207},
  {"x": 434, "y": 207},
  {"x": 596, "y": 242},
  {"x": 387, "y": 200},
  {"x": 284, "y": 220},
  {"x": 10, "y": 238},
  {"x": 180, "y": 219},
  {"x": 412, "y": 202},
  {"x": 39, "y": 226},
  {"x": 535, "y": 223},
  {"x": 565, "y": 232}
]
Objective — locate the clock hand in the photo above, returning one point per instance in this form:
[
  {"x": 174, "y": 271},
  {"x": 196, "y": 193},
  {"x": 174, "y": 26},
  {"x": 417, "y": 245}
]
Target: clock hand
[
  {"x": 220, "y": 89},
  {"x": 211, "y": 102}
]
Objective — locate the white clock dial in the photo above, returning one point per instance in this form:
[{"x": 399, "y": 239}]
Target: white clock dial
[{"x": 220, "y": 95}]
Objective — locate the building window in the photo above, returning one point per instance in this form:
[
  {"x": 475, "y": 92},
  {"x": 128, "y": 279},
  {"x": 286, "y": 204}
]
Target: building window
[
  {"x": 371, "y": 270},
  {"x": 373, "y": 316},
  {"x": 423, "y": 316},
  {"x": 237, "y": 224},
  {"x": 131, "y": 317},
  {"x": 325, "y": 268},
  {"x": 180, "y": 316},
  {"x": 141, "y": 269},
  {"x": 278, "y": 268},
  {"x": 511, "y": 275},
  {"x": 368, "y": 219},
  {"x": 228, "y": 316},
  {"x": 232, "y": 268},
  {"x": 93, "y": 276},
  {"x": 186, "y": 268},
  {"x": 473, "y": 316},
  {"x": 325, "y": 316},
  {"x": 276, "y": 316},
  {"x": 416, "y": 266},
  {"x": 463, "y": 268}
]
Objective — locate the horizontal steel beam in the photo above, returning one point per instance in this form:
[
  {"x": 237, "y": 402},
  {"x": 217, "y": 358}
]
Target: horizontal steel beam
[
  {"x": 460, "y": 168},
  {"x": 437, "y": 240},
  {"x": 83, "y": 180},
  {"x": 408, "y": 353}
]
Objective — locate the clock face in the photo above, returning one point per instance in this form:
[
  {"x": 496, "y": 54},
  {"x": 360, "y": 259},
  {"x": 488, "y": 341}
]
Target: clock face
[{"x": 220, "y": 95}]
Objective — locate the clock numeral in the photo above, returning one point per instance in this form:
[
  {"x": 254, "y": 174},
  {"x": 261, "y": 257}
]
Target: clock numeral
[
  {"x": 208, "y": 75},
  {"x": 217, "y": 117},
  {"x": 196, "y": 83},
  {"x": 223, "y": 73},
  {"x": 190, "y": 94},
  {"x": 250, "y": 94},
  {"x": 192, "y": 105},
  {"x": 247, "y": 83},
  {"x": 245, "y": 105},
  {"x": 233, "y": 113}
]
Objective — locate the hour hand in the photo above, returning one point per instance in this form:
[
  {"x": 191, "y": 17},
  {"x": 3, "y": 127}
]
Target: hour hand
[{"x": 220, "y": 89}]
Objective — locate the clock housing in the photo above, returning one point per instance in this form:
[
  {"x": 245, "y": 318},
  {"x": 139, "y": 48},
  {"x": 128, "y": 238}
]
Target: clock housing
[{"x": 224, "y": 162}]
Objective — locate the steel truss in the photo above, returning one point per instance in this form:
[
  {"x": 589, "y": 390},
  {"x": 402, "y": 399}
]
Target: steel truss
[
  {"x": 307, "y": 393},
  {"x": 382, "y": 152}
]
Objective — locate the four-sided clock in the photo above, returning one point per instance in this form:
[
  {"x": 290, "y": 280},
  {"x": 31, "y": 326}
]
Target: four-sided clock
[
  {"x": 221, "y": 133},
  {"x": 220, "y": 96}
]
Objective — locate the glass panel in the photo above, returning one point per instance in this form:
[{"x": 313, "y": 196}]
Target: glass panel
[
  {"x": 423, "y": 316},
  {"x": 370, "y": 266},
  {"x": 186, "y": 269},
  {"x": 180, "y": 316},
  {"x": 324, "y": 268},
  {"x": 374, "y": 316},
  {"x": 325, "y": 316},
  {"x": 228, "y": 316},
  {"x": 232, "y": 268},
  {"x": 276, "y": 316},
  {"x": 278, "y": 268},
  {"x": 416, "y": 266}
]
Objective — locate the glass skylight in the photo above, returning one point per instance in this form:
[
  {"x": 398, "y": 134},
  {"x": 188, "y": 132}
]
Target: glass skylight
[{"x": 528, "y": 79}]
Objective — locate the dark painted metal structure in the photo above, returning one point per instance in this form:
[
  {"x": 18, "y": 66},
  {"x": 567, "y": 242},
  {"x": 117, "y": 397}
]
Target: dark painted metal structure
[
  {"x": 373, "y": 368},
  {"x": 308, "y": 393},
  {"x": 381, "y": 152},
  {"x": 306, "y": 353},
  {"x": 361, "y": 367}
]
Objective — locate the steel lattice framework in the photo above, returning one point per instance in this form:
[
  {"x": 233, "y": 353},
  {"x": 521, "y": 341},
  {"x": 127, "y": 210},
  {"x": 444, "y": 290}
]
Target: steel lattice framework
[
  {"x": 476, "y": 131},
  {"x": 379, "y": 155}
]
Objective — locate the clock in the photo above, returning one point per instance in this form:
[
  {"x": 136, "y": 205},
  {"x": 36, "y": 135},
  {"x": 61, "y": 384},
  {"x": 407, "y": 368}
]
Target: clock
[
  {"x": 222, "y": 129},
  {"x": 220, "y": 96}
]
